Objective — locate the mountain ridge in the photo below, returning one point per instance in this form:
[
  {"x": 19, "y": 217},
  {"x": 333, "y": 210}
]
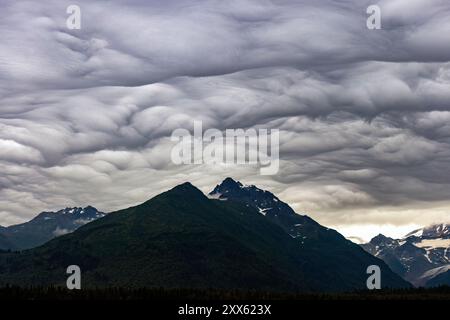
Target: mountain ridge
[
  {"x": 181, "y": 238},
  {"x": 420, "y": 257},
  {"x": 46, "y": 226}
]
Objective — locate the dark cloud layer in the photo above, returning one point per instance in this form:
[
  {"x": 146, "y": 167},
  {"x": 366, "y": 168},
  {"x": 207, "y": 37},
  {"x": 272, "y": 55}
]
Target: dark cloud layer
[{"x": 86, "y": 115}]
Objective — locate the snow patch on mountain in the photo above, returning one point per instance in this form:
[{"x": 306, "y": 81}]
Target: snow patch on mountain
[
  {"x": 433, "y": 243},
  {"x": 430, "y": 274},
  {"x": 263, "y": 211}
]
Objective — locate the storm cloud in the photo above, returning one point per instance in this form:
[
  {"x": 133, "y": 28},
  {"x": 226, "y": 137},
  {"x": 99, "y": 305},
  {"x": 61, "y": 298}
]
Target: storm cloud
[{"x": 364, "y": 115}]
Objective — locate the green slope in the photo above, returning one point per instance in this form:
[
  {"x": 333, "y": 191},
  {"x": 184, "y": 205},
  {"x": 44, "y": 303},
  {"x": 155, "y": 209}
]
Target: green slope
[
  {"x": 5, "y": 243},
  {"x": 183, "y": 239}
]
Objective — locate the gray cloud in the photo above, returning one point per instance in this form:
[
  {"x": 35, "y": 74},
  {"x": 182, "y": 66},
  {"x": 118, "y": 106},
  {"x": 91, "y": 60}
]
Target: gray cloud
[{"x": 86, "y": 115}]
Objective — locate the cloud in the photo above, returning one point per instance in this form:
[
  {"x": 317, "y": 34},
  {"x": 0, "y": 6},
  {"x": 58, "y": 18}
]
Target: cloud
[
  {"x": 60, "y": 232},
  {"x": 86, "y": 115},
  {"x": 13, "y": 151}
]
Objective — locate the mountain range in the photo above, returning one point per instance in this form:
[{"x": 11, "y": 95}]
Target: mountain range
[
  {"x": 46, "y": 226},
  {"x": 237, "y": 237},
  {"x": 422, "y": 256}
]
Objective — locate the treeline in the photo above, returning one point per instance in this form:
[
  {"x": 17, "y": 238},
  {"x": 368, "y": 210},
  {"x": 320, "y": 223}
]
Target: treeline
[{"x": 60, "y": 293}]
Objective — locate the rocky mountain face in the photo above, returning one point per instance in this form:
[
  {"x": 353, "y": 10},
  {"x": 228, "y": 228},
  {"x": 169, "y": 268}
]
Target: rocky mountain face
[
  {"x": 421, "y": 257},
  {"x": 46, "y": 226}
]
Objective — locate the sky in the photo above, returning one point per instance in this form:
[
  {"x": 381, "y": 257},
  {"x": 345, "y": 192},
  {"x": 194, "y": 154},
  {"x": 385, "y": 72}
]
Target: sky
[{"x": 364, "y": 115}]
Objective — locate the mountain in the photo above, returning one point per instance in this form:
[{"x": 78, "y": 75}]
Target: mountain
[
  {"x": 5, "y": 244},
  {"x": 437, "y": 276},
  {"x": 421, "y": 257},
  {"x": 267, "y": 204},
  {"x": 46, "y": 226},
  {"x": 323, "y": 245},
  {"x": 181, "y": 238},
  {"x": 431, "y": 232}
]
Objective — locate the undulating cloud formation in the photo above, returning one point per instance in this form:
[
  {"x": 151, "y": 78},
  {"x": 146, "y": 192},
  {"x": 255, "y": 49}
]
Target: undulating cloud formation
[{"x": 364, "y": 115}]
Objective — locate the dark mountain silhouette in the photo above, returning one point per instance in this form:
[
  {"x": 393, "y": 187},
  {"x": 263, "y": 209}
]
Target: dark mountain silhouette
[
  {"x": 46, "y": 226},
  {"x": 5, "y": 243},
  {"x": 321, "y": 243},
  {"x": 182, "y": 239}
]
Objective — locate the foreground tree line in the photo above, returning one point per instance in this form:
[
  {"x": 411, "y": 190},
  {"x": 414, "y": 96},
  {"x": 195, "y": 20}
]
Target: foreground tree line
[{"x": 116, "y": 293}]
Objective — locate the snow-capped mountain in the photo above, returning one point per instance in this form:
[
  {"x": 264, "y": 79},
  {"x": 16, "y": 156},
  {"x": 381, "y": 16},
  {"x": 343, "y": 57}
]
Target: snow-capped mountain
[
  {"x": 46, "y": 226},
  {"x": 266, "y": 202},
  {"x": 434, "y": 231},
  {"x": 182, "y": 239},
  {"x": 267, "y": 205},
  {"x": 421, "y": 257},
  {"x": 320, "y": 245}
]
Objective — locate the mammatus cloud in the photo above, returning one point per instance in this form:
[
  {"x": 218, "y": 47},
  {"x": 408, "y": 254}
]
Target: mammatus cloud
[{"x": 86, "y": 115}]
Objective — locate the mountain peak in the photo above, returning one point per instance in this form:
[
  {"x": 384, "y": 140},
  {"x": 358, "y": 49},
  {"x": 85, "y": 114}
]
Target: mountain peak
[
  {"x": 226, "y": 186},
  {"x": 186, "y": 189},
  {"x": 231, "y": 183},
  {"x": 264, "y": 201},
  {"x": 89, "y": 210},
  {"x": 380, "y": 238}
]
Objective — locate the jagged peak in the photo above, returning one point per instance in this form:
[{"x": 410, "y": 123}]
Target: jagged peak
[
  {"x": 77, "y": 210},
  {"x": 230, "y": 182},
  {"x": 380, "y": 238},
  {"x": 234, "y": 185},
  {"x": 264, "y": 201}
]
